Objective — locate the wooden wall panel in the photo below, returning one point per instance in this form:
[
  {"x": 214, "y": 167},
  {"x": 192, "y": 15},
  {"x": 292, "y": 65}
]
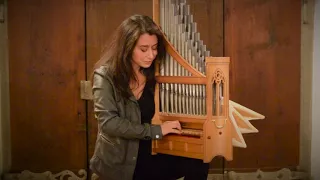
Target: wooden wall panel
[
  {"x": 263, "y": 40},
  {"x": 46, "y": 64}
]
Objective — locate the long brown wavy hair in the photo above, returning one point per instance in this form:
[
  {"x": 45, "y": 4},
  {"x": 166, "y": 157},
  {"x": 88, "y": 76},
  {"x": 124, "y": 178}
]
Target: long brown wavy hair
[{"x": 117, "y": 56}]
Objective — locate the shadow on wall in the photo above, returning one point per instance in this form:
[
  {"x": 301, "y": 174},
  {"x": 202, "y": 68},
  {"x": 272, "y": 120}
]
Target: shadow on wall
[{"x": 4, "y": 92}]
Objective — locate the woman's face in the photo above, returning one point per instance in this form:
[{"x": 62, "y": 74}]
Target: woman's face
[{"x": 145, "y": 51}]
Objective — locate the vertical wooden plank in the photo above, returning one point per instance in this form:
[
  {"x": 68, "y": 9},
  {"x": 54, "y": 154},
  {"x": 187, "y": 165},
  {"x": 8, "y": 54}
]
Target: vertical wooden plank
[
  {"x": 156, "y": 11},
  {"x": 46, "y": 64},
  {"x": 263, "y": 41}
]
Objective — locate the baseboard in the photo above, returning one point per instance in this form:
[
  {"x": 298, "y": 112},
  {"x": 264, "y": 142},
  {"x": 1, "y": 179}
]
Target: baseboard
[{"x": 283, "y": 174}]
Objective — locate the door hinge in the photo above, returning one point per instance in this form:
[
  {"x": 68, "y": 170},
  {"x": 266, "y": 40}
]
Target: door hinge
[{"x": 86, "y": 90}]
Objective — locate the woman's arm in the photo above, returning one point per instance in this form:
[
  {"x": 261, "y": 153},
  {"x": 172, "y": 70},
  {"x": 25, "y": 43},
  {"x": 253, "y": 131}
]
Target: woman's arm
[{"x": 107, "y": 114}]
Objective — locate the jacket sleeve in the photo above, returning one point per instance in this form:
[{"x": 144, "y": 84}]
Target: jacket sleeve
[{"x": 107, "y": 114}]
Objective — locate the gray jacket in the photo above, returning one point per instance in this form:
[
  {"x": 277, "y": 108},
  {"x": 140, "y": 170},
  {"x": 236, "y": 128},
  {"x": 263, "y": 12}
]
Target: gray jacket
[{"x": 119, "y": 130}]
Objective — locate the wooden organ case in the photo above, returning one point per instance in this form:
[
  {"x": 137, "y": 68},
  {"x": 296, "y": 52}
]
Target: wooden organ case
[{"x": 193, "y": 88}]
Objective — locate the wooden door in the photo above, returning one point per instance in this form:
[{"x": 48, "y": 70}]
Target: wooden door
[
  {"x": 103, "y": 17},
  {"x": 263, "y": 40},
  {"x": 46, "y": 64}
]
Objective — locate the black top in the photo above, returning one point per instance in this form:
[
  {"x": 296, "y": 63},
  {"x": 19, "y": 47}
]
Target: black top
[
  {"x": 147, "y": 108},
  {"x": 145, "y": 160}
]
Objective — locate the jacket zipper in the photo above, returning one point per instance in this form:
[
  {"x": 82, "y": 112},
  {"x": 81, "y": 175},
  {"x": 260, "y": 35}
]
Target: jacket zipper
[{"x": 106, "y": 139}]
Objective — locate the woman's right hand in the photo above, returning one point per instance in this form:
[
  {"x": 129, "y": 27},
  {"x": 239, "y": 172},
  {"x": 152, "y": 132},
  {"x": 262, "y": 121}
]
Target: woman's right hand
[{"x": 171, "y": 127}]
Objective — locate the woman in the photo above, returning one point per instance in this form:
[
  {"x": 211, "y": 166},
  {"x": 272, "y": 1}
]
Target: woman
[{"x": 123, "y": 92}]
